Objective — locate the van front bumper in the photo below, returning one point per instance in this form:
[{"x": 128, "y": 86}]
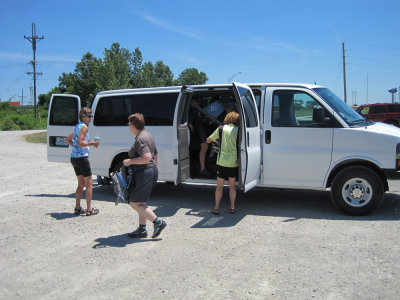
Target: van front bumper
[{"x": 392, "y": 174}]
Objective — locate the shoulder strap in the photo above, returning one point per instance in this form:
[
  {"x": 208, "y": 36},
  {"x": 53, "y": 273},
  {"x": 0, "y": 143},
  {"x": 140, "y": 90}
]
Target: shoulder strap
[
  {"x": 237, "y": 144},
  {"x": 220, "y": 129}
]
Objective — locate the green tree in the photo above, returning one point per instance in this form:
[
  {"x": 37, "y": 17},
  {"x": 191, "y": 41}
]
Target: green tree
[
  {"x": 191, "y": 76},
  {"x": 119, "y": 69},
  {"x": 156, "y": 75},
  {"x": 136, "y": 69},
  {"x": 85, "y": 81}
]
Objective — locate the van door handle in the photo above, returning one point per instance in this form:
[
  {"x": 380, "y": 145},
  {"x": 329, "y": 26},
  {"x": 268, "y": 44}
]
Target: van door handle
[
  {"x": 248, "y": 139},
  {"x": 268, "y": 136}
]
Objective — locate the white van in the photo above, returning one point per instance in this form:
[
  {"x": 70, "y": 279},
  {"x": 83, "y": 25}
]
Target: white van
[{"x": 292, "y": 136}]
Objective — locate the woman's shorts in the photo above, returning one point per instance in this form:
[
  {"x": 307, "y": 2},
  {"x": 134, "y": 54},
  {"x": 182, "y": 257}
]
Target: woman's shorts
[
  {"x": 225, "y": 172},
  {"x": 144, "y": 182},
  {"x": 81, "y": 166}
]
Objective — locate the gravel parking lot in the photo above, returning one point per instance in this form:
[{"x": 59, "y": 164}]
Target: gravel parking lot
[{"x": 280, "y": 245}]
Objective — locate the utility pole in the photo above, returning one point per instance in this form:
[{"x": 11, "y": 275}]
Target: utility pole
[
  {"x": 22, "y": 98},
  {"x": 33, "y": 39},
  {"x": 354, "y": 97},
  {"x": 344, "y": 74},
  {"x": 367, "y": 88}
]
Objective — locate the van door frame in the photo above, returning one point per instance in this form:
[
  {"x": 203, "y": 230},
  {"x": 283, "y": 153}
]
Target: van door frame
[
  {"x": 181, "y": 164},
  {"x": 248, "y": 179}
]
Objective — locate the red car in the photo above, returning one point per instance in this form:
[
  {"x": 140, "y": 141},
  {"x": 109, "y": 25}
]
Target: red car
[{"x": 388, "y": 113}]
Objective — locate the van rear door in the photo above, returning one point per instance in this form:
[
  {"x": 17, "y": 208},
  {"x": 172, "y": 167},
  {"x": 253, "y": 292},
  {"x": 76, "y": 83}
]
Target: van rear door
[
  {"x": 250, "y": 154},
  {"x": 63, "y": 115}
]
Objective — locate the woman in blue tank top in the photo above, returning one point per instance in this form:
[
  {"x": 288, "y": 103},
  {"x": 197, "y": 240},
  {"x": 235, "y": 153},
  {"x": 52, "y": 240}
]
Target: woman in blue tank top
[{"x": 79, "y": 140}]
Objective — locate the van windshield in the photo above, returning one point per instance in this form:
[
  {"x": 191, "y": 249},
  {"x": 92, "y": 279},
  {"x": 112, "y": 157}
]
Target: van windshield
[{"x": 349, "y": 115}]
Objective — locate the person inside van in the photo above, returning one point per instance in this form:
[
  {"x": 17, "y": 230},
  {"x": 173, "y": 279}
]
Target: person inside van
[
  {"x": 143, "y": 156},
  {"x": 230, "y": 107},
  {"x": 79, "y": 141},
  {"x": 199, "y": 135},
  {"x": 227, "y": 160}
]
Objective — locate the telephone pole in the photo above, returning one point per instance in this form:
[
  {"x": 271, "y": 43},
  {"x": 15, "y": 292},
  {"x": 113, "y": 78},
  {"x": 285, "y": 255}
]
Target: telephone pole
[
  {"x": 33, "y": 40},
  {"x": 22, "y": 98},
  {"x": 344, "y": 74}
]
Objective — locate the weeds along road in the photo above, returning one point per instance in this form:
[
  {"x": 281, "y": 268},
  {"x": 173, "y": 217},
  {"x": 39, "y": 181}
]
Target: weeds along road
[{"x": 280, "y": 244}]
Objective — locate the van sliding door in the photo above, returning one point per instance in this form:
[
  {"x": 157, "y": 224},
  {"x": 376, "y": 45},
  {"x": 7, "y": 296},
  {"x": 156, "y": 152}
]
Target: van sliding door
[
  {"x": 250, "y": 149},
  {"x": 63, "y": 115},
  {"x": 181, "y": 147}
]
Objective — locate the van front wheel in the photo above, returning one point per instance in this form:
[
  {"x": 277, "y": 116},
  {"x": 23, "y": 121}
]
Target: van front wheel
[{"x": 357, "y": 191}]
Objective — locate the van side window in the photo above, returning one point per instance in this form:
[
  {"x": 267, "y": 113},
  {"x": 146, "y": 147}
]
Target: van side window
[
  {"x": 364, "y": 110},
  {"x": 250, "y": 110},
  {"x": 379, "y": 109},
  {"x": 257, "y": 97},
  {"x": 64, "y": 112},
  {"x": 157, "y": 109},
  {"x": 296, "y": 109}
]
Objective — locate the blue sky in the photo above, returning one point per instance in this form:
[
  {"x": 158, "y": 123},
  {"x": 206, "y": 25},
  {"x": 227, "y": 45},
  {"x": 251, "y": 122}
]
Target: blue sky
[{"x": 266, "y": 41}]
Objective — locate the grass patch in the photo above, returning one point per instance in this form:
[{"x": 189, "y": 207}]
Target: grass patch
[{"x": 36, "y": 137}]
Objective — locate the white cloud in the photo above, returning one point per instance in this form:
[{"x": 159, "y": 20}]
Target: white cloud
[{"x": 194, "y": 33}]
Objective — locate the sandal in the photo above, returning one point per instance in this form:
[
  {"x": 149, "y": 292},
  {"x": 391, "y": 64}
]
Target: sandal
[
  {"x": 79, "y": 211},
  {"x": 215, "y": 211},
  {"x": 93, "y": 211},
  {"x": 233, "y": 211}
]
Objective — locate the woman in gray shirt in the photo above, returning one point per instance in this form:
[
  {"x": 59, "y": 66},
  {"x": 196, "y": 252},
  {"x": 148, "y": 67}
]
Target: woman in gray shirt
[{"x": 143, "y": 157}]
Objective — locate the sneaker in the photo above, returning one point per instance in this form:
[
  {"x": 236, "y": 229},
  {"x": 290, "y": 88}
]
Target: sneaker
[
  {"x": 138, "y": 233},
  {"x": 158, "y": 228},
  {"x": 206, "y": 173}
]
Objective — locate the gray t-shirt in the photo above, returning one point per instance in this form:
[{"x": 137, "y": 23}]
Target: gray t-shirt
[{"x": 144, "y": 143}]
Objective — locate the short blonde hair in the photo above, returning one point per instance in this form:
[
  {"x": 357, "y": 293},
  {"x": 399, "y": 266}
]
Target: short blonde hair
[
  {"x": 232, "y": 117},
  {"x": 84, "y": 112}
]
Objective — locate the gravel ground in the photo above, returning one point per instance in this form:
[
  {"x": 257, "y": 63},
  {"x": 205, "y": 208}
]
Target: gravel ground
[{"x": 280, "y": 245}]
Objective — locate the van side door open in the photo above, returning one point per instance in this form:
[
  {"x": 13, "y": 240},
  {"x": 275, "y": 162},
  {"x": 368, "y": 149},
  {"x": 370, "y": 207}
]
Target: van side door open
[
  {"x": 181, "y": 164},
  {"x": 250, "y": 148},
  {"x": 63, "y": 116}
]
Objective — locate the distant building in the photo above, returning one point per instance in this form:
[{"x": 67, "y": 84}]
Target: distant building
[{"x": 14, "y": 103}]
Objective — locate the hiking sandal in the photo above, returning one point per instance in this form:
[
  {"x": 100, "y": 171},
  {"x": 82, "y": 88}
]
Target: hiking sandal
[
  {"x": 93, "y": 211},
  {"x": 79, "y": 211},
  {"x": 215, "y": 212}
]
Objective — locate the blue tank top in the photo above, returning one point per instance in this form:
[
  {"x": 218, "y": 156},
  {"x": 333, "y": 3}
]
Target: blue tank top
[{"x": 78, "y": 152}]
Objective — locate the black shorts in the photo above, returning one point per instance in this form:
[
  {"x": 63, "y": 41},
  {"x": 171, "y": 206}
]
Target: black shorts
[
  {"x": 225, "y": 172},
  {"x": 81, "y": 166},
  {"x": 145, "y": 180}
]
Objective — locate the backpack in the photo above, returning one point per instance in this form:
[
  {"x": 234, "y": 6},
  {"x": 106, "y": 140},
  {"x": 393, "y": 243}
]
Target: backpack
[
  {"x": 216, "y": 146},
  {"x": 122, "y": 181}
]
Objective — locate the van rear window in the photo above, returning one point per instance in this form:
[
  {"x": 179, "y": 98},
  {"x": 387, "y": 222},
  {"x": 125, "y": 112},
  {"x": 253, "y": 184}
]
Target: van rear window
[
  {"x": 158, "y": 109},
  {"x": 64, "y": 111}
]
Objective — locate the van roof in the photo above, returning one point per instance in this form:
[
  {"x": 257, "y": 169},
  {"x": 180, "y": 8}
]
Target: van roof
[{"x": 178, "y": 88}]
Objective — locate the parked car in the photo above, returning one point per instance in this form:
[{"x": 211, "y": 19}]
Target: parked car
[{"x": 388, "y": 113}]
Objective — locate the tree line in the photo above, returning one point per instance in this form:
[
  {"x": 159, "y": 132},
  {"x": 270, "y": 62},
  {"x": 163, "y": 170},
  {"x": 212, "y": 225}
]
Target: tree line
[{"x": 118, "y": 69}]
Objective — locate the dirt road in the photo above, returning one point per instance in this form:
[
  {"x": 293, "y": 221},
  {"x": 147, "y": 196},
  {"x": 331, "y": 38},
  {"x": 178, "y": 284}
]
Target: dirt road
[{"x": 280, "y": 245}]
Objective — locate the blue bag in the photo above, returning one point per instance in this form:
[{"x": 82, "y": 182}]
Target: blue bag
[{"x": 122, "y": 182}]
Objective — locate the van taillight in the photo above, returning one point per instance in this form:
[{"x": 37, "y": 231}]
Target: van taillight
[{"x": 398, "y": 156}]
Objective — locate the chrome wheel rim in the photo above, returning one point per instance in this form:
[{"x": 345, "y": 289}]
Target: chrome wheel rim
[{"x": 357, "y": 192}]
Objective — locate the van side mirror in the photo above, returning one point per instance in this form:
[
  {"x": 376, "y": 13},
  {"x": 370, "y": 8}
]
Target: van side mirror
[{"x": 319, "y": 117}]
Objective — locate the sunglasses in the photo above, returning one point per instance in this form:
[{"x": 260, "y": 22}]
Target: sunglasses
[{"x": 89, "y": 116}]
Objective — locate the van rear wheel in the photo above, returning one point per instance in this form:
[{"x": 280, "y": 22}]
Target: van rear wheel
[{"x": 357, "y": 191}]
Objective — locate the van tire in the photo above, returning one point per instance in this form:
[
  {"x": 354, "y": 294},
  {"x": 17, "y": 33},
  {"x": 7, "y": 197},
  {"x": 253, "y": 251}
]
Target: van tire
[{"x": 357, "y": 191}]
